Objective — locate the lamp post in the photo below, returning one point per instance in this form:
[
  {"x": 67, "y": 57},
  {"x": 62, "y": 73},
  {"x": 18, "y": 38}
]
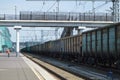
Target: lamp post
[{"x": 17, "y": 28}]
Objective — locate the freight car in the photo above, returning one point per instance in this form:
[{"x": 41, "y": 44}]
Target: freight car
[
  {"x": 102, "y": 46},
  {"x": 95, "y": 47}
]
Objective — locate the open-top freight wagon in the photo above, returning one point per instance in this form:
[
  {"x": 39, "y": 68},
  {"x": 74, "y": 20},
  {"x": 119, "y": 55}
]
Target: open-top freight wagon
[{"x": 95, "y": 47}]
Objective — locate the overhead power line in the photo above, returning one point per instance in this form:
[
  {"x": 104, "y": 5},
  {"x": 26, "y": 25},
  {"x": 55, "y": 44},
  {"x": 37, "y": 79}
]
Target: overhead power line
[
  {"x": 51, "y": 6},
  {"x": 100, "y": 6},
  {"x": 42, "y": 5}
]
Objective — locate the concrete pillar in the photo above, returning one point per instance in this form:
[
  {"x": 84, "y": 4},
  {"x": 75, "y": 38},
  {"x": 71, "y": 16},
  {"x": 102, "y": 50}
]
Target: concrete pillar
[
  {"x": 80, "y": 28},
  {"x": 17, "y": 28},
  {"x": 17, "y": 43}
]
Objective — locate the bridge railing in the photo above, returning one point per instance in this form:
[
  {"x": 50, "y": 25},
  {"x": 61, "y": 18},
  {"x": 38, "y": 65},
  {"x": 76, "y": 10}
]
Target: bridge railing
[
  {"x": 9, "y": 17},
  {"x": 67, "y": 16}
]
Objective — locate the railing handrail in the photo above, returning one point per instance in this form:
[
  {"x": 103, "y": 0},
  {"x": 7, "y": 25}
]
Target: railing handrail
[{"x": 74, "y": 16}]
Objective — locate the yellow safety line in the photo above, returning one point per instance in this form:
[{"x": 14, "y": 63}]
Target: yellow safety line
[{"x": 35, "y": 72}]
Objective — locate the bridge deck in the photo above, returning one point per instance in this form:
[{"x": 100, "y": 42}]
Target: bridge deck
[{"x": 52, "y": 23}]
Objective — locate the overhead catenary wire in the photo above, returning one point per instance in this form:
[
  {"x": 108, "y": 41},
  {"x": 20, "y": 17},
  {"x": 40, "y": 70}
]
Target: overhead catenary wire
[
  {"x": 75, "y": 7},
  {"x": 78, "y": 4},
  {"x": 35, "y": 38},
  {"x": 100, "y": 6},
  {"x": 52, "y": 6},
  {"x": 42, "y": 6}
]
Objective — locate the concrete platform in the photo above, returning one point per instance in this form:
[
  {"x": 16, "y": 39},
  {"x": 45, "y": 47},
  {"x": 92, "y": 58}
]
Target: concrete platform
[{"x": 16, "y": 68}]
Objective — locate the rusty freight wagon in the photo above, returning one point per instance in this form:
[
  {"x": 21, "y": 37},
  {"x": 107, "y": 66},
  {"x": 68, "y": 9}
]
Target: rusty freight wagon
[
  {"x": 102, "y": 46},
  {"x": 95, "y": 47}
]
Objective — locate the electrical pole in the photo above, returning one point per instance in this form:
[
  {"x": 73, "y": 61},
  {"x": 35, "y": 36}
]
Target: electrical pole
[
  {"x": 15, "y": 12},
  {"x": 56, "y": 29},
  {"x": 115, "y": 11},
  {"x": 93, "y": 6},
  {"x": 57, "y": 5}
]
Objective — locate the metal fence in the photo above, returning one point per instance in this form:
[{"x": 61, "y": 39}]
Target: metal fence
[
  {"x": 9, "y": 17},
  {"x": 68, "y": 16}
]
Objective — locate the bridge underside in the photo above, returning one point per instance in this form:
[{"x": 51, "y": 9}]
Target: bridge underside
[
  {"x": 67, "y": 32},
  {"x": 52, "y": 23}
]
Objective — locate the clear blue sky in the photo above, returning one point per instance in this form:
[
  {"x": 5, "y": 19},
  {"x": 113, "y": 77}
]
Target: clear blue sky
[{"x": 8, "y": 7}]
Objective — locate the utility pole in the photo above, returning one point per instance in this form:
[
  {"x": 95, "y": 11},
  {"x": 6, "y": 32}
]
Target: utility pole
[
  {"x": 56, "y": 29},
  {"x": 58, "y": 5},
  {"x": 115, "y": 12},
  {"x": 15, "y": 12},
  {"x": 93, "y": 6}
]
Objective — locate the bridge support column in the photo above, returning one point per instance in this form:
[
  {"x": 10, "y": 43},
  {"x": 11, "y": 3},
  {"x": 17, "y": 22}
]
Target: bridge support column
[
  {"x": 17, "y": 28},
  {"x": 80, "y": 28},
  {"x": 79, "y": 31}
]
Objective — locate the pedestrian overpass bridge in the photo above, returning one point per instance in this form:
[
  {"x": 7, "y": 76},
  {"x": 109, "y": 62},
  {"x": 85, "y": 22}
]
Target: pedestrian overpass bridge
[
  {"x": 55, "y": 19},
  {"x": 66, "y": 20},
  {"x": 53, "y": 23}
]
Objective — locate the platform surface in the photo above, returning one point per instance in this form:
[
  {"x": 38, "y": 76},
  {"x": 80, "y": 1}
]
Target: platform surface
[{"x": 15, "y": 68}]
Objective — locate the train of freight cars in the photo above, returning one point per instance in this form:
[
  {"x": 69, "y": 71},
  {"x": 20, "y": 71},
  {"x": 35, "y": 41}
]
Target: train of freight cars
[{"x": 95, "y": 47}]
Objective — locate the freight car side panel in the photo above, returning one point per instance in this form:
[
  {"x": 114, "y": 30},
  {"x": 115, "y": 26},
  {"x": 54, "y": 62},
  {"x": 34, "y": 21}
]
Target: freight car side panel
[
  {"x": 112, "y": 50},
  {"x": 49, "y": 46},
  {"x": 93, "y": 43},
  {"x": 118, "y": 40},
  {"x": 99, "y": 44},
  {"x": 89, "y": 44},
  {"x": 78, "y": 44},
  {"x": 59, "y": 46},
  {"x": 66, "y": 45},
  {"x": 74, "y": 47},
  {"x": 62, "y": 46},
  {"x": 75, "y": 44},
  {"x": 58, "y": 43},
  {"x": 71, "y": 45},
  {"x": 84, "y": 47},
  {"x": 52, "y": 47},
  {"x": 105, "y": 42},
  {"x": 37, "y": 47}
]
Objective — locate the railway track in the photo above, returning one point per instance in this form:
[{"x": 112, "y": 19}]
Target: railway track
[
  {"x": 82, "y": 72},
  {"x": 59, "y": 73}
]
